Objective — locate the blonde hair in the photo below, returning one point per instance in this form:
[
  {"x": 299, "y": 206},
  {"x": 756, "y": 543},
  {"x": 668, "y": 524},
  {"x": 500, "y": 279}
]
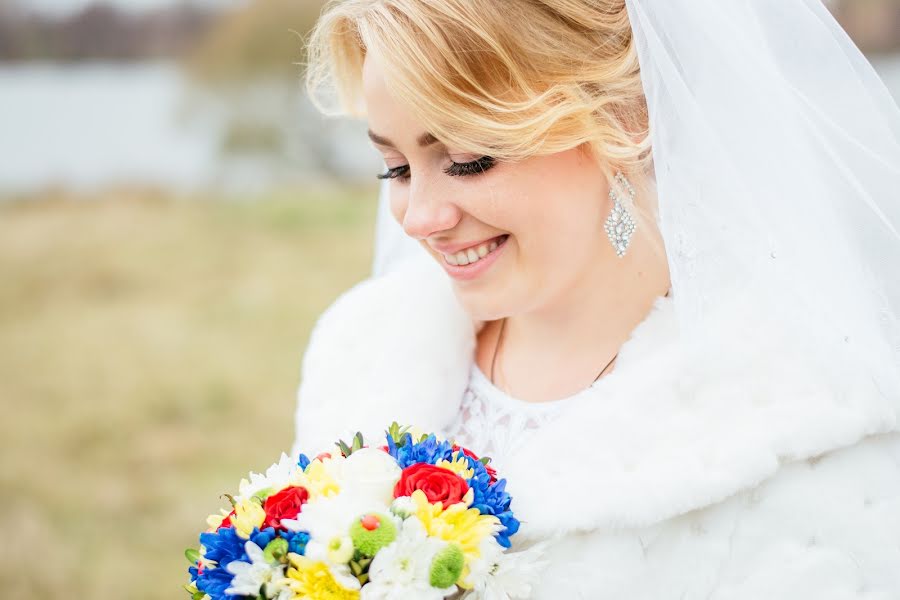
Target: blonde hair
[{"x": 509, "y": 79}]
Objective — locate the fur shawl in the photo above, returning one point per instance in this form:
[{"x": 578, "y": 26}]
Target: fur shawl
[{"x": 672, "y": 429}]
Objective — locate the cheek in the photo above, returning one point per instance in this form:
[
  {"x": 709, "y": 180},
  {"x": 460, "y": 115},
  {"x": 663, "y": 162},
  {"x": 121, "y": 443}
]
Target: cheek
[{"x": 558, "y": 224}]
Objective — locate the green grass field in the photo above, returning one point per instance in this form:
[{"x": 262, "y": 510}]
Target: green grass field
[{"x": 150, "y": 351}]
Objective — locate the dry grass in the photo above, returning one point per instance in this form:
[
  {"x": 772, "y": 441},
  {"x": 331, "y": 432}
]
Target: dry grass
[{"x": 149, "y": 356}]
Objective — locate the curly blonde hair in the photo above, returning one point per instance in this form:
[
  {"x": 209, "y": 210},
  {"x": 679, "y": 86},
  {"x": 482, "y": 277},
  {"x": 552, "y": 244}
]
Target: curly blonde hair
[{"x": 508, "y": 79}]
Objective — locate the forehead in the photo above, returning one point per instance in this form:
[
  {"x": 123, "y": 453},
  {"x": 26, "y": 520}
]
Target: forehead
[{"x": 386, "y": 114}]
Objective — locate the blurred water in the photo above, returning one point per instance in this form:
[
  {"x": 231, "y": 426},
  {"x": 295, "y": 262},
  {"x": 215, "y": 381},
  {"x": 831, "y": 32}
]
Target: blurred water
[
  {"x": 89, "y": 125},
  {"x": 98, "y": 124}
]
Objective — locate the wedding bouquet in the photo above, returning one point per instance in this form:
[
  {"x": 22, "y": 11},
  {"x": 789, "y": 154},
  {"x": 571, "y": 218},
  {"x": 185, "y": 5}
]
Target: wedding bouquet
[{"x": 418, "y": 518}]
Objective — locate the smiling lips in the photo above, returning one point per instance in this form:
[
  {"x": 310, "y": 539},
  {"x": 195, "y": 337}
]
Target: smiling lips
[{"x": 474, "y": 254}]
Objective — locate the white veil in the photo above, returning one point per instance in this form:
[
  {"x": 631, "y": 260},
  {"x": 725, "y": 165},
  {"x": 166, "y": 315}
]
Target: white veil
[{"x": 776, "y": 151}]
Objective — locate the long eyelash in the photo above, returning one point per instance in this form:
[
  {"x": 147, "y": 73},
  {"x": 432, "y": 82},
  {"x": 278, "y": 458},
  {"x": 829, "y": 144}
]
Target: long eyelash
[
  {"x": 454, "y": 170},
  {"x": 471, "y": 168},
  {"x": 394, "y": 173}
]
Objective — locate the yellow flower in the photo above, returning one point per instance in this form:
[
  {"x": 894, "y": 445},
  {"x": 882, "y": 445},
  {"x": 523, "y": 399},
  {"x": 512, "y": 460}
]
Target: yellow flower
[
  {"x": 318, "y": 478},
  {"x": 458, "y": 465},
  {"x": 313, "y": 580},
  {"x": 458, "y": 523},
  {"x": 247, "y": 515}
]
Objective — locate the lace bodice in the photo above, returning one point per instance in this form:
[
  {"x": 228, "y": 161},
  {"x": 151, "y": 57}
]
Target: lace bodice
[{"x": 492, "y": 423}]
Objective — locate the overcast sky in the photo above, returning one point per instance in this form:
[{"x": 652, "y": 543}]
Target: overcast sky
[{"x": 67, "y": 6}]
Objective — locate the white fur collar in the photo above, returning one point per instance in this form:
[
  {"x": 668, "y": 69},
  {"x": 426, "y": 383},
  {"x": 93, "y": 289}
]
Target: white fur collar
[{"x": 669, "y": 430}]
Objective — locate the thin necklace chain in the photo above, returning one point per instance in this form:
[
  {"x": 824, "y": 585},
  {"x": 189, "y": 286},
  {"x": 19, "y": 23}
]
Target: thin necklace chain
[{"x": 500, "y": 340}]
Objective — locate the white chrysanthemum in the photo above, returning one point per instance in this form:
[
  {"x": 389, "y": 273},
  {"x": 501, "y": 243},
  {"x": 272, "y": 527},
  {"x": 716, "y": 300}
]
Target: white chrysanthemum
[
  {"x": 249, "y": 578},
  {"x": 278, "y": 476},
  {"x": 402, "y": 569},
  {"x": 340, "y": 571},
  {"x": 329, "y": 519},
  {"x": 499, "y": 575},
  {"x": 334, "y": 465}
]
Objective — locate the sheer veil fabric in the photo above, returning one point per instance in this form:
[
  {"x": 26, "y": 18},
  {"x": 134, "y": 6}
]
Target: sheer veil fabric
[{"x": 776, "y": 159}]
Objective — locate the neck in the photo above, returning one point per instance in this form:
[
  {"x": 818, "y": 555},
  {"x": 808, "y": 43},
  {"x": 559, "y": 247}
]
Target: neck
[{"x": 560, "y": 348}]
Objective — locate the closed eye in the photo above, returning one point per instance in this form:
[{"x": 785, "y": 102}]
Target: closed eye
[{"x": 456, "y": 169}]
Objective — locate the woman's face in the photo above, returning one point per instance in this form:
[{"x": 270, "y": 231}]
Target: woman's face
[{"x": 535, "y": 227}]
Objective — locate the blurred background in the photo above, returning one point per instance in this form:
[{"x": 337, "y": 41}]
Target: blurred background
[{"x": 174, "y": 215}]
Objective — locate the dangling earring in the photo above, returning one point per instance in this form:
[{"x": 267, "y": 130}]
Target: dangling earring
[{"x": 620, "y": 225}]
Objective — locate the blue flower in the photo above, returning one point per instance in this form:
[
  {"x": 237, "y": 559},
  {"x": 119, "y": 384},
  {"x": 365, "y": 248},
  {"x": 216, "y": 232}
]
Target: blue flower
[
  {"x": 261, "y": 538},
  {"x": 225, "y": 546},
  {"x": 492, "y": 499},
  {"x": 297, "y": 540},
  {"x": 222, "y": 546},
  {"x": 214, "y": 582},
  {"x": 428, "y": 450},
  {"x": 303, "y": 461}
]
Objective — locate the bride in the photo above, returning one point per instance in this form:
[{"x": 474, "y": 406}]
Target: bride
[{"x": 645, "y": 255}]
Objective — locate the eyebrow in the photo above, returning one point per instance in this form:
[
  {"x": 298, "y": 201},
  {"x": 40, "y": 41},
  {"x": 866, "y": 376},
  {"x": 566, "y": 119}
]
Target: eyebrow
[{"x": 424, "y": 140}]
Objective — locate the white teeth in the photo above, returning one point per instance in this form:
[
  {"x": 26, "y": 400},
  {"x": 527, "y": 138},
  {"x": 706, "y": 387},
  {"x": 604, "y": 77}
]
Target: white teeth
[{"x": 471, "y": 255}]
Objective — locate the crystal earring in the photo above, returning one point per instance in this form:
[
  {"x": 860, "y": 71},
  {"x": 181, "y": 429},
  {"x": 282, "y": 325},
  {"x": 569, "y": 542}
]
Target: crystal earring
[{"x": 620, "y": 225}]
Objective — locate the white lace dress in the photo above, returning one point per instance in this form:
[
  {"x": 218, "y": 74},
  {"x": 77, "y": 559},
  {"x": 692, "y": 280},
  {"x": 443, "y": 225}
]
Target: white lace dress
[{"x": 492, "y": 423}]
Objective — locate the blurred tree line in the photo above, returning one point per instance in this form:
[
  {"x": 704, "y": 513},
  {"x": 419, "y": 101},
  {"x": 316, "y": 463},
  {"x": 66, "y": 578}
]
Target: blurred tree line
[
  {"x": 262, "y": 34},
  {"x": 102, "y": 32},
  {"x": 264, "y": 38}
]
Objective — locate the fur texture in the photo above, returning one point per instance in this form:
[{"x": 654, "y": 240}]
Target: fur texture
[{"x": 714, "y": 437}]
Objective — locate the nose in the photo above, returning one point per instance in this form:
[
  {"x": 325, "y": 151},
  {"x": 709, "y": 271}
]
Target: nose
[{"x": 428, "y": 210}]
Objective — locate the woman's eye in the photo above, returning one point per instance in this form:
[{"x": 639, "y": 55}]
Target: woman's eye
[
  {"x": 454, "y": 170},
  {"x": 401, "y": 172},
  {"x": 471, "y": 168}
]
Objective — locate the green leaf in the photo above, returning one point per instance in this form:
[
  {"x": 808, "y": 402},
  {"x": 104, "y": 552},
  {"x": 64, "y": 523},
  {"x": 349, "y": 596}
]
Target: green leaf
[
  {"x": 397, "y": 433},
  {"x": 262, "y": 494},
  {"x": 230, "y": 499},
  {"x": 355, "y": 568},
  {"x": 192, "y": 555},
  {"x": 198, "y": 596},
  {"x": 345, "y": 449},
  {"x": 358, "y": 441},
  {"x": 484, "y": 460}
]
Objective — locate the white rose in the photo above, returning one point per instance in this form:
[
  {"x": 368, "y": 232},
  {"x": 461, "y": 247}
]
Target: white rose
[{"x": 371, "y": 473}]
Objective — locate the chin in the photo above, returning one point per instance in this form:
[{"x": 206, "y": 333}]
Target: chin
[{"x": 482, "y": 306}]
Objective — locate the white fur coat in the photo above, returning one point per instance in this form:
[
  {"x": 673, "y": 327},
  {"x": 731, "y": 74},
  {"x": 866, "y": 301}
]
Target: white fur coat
[{"x": 733, "y": 470}]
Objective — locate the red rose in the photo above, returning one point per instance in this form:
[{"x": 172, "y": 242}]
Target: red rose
[
  {"x": 284, "y": 505},
  {"x": 438, "y": 484},
  {"x": 492, "y": 473}
]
